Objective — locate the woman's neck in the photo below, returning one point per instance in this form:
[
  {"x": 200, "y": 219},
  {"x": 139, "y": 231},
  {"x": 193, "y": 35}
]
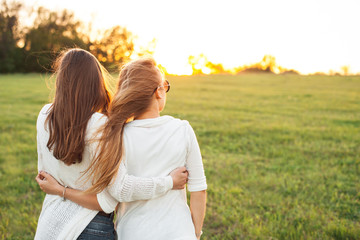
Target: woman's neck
[
  {"x": 148, "y": 114},
  {"x": 151, "y": 112}
]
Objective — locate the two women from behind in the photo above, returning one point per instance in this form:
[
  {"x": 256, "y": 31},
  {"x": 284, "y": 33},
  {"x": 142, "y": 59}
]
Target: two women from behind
[
  {"x": 65, "y": 129},
  {"x": 149, "y": 145}
]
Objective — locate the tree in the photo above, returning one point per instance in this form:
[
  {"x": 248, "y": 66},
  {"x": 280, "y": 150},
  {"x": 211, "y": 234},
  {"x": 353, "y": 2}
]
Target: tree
[
  {"x": 345, "y": 70},
  {"x": 196, "y": 65},
  {"x": 114, "y": 48},
  {"x": 10, "y": 54},
  {"x": 51, "y": 32},
  {"x": 268, "y": 64},
  {"x": 201, "y": 65},
  {"x": 147, "y": 50}
]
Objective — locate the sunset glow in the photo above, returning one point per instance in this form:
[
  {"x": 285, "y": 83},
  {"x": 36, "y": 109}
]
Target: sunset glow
[{"x": 308, "y": 36}]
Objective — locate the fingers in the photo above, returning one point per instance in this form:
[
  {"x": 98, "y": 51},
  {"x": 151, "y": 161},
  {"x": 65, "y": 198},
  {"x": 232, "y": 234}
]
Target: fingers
[
  {"x": 45, "y": 174},
  {"x": 183, "y": 169},
  {"x": 185, "y": 175},
  {"x": 180, "y": 177},
  {"x": 38, "y": 179},
  {"x": 179, "y": 170}
]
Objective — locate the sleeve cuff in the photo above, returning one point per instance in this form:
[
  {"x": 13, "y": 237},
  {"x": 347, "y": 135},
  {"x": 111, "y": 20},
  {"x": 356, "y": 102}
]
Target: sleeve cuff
[
  {"x": 197, "y": 188},
  {"x": 169, "y": 182},
  {"x": 106, "y": 201}
]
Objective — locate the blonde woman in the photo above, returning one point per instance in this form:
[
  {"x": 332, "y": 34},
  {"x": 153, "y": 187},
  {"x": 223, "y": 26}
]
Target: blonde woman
[
  {"x": 65, "y": 129},
  {"x": 149, "y": 145}
]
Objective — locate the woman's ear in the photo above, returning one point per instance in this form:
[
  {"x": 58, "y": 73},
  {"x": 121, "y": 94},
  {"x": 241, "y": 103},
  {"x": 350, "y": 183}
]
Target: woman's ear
[{"x": 159, "y": 94}]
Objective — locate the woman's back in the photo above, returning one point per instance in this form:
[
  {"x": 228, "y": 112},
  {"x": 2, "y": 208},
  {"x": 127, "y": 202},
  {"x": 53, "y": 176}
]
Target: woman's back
[
  {"x": 153, "y": 147},
  {"x": 66, "y": 174},
  {"x": 64, "y": 219}
]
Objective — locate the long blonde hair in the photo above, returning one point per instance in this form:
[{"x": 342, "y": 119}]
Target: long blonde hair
[{"x": 137, "y": 82}]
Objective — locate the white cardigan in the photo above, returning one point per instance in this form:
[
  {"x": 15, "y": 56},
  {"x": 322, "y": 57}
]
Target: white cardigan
[
  {"x": 153, "y": 147},
  {"x": 65, "y": 219}
]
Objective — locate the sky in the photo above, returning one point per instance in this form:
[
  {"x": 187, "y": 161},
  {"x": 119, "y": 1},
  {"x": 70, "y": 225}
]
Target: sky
[{"x": 306, "y": 35}]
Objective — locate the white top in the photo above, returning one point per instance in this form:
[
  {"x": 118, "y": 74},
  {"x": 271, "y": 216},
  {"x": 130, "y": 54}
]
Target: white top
[
  {"x": 153, "y": 147},
  {"x": 65, "y": 219}
]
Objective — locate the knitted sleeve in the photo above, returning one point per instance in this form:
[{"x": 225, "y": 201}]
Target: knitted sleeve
[{"x": 127, "y": 188}]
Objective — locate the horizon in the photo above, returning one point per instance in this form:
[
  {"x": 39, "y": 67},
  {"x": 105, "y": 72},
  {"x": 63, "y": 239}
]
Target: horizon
[{"x": 303, "y": 35}]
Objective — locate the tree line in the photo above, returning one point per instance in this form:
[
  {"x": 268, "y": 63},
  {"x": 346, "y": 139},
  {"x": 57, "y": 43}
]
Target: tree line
[
  {"x": 33, "y": 48},
  {"x": 201, "y": 65}
]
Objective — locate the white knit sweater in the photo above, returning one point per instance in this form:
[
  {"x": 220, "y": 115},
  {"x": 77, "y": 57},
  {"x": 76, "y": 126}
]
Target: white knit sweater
[
  {"x": 65, "y": 219},
  {"x": 153, "y": 147}
]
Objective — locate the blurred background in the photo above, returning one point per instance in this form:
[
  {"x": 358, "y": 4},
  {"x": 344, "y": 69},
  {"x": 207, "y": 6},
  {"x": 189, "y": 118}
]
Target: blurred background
[{"x": 187, "y": 37}]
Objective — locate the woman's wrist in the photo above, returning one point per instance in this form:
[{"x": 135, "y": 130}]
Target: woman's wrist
[
  {"x": 64, "y": 191},
  {"x": 60, "y": 190}
]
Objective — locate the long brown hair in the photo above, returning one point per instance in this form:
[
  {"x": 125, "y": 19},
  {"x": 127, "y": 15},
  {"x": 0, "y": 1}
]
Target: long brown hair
[
  {"x": 137, "y": 82},
  {"x": 81, "y": 90}
]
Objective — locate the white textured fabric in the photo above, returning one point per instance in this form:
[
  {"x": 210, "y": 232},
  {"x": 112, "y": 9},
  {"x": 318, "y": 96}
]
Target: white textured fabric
[
  {"x": 128, "y": 188},
  {"x": 65, "y": 219},
  {"x": 154, "y": 147}
]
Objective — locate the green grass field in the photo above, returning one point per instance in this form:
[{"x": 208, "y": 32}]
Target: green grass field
[{"x": 281, "y": 153}]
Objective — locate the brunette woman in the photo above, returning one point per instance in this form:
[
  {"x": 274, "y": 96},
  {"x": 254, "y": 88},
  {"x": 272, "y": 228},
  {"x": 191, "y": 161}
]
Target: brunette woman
[{"x": 66, "y": 130}]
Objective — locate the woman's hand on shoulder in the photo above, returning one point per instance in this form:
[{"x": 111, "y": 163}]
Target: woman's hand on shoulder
[
  {"x": 48, "y": 184},
  {"x": 180, "y": 177}
]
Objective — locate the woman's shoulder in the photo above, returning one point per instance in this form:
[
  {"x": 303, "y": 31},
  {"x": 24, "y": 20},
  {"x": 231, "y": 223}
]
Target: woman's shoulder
[
  {"x": 45, "y": 109},
  {"x": 185, "y": 124},
  {"x": 44, "y": 112},
  {"x": 179, "y": 122},
  {"x": 97, "y": 120},
  {"x": 95, "y": 123},
  {"x": 98, "y": 117},
  {"x": 185, "y": 127}
]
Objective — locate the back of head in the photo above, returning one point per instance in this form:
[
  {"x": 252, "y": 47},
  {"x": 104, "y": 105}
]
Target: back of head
[
  {"x": 80, "y": 91},
  {"x": 137, "y": 81}
]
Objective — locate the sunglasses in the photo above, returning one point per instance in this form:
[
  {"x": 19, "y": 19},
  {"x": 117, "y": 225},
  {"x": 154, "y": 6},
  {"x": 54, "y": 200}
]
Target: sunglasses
[{"x": 166, "y": 86}]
